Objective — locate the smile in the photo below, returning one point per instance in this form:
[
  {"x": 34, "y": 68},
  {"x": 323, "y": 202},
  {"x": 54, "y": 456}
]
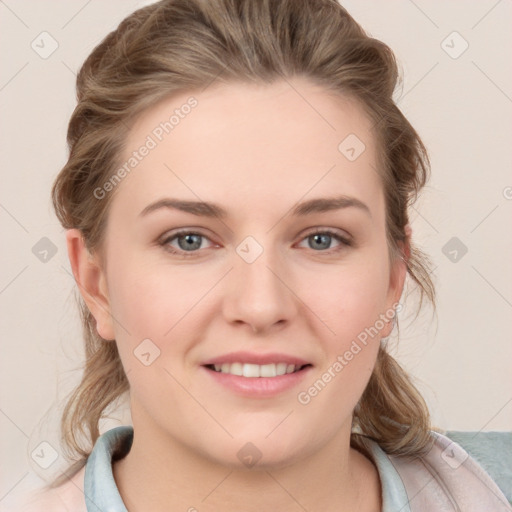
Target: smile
[{"x": 256, "y": 370}]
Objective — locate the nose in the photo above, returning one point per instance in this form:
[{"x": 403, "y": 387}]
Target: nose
[{"x": 260, "y": 293}]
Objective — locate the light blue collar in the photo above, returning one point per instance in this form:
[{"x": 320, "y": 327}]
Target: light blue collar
[
  {"x": 394, "y": 495},
  {"x": 100, "y": 489},
  {"x": 102, "y": 495}
]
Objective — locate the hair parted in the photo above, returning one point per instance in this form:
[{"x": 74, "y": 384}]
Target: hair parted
[{"x": 173, "y": 46}]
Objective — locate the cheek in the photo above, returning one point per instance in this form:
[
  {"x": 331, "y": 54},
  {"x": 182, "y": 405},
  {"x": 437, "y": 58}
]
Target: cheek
[
  {"x": 157, "y": 318},
  {"x": 350, "y": 339},
  {"x": 350, "y": 304},
  {"x": 350, "y": 301},
  {"x": 169, "y": 306},
  {"x": 150, "y": 300}
]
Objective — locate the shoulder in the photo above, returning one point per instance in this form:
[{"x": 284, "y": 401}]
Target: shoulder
[
  {"x": 34, "y": 496},
  {"x": 472, "y": 470},
  {"x": 492, "y": 451}
]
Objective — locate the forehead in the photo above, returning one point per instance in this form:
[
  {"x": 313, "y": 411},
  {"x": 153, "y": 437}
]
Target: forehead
[{"x": 249, "y": 146}]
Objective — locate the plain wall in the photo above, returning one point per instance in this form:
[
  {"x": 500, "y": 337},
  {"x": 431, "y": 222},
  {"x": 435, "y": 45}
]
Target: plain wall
[{"x": 461, "y": 107}]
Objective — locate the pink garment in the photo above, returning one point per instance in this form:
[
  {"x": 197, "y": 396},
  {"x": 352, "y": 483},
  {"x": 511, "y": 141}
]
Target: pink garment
[
  {"x": 447, "y": 479},
  {"x": 69, "y": 497}
]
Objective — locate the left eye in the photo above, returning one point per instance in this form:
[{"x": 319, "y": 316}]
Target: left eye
[
  {"x": 323, "y": 238},
  {"x": 189, "y": 241}
]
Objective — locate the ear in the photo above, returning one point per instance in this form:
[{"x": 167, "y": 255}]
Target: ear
[
  {"x": 397, "y": 277},
  {"x": 91, "y": 281}
]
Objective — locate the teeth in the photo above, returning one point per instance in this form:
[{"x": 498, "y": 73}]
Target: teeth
[
  {"x": 281, "y": 368},
  {"x": 256, "y": 370},
  {"x": 251, "y": 370},
  {"x": 236, "y": 369},
  {"x": 267, "y": 370}
]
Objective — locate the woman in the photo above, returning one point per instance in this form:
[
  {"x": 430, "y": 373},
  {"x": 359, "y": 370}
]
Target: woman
[{"x": 236, "y": 204}]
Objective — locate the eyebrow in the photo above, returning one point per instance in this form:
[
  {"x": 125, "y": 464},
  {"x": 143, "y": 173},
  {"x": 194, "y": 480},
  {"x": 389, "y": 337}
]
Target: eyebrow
[{"x": 207, "y": 209}]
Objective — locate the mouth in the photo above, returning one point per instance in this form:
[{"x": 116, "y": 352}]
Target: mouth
[
  {"x": 252, "y": 371},
  {"x": 257, "y": 375}
]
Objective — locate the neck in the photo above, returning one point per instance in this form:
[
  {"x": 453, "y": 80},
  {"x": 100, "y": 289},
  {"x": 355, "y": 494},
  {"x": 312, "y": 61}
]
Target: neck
[{"x": 336, "y": 478}]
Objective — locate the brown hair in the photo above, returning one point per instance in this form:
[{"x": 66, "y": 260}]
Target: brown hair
[{"x": 181, "y": 45}]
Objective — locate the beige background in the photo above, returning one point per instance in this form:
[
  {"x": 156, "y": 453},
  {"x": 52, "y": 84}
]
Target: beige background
[{"x": 461, "y": 107}]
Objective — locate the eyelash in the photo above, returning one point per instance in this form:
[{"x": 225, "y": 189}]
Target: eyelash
[{"x": 345, "y": 242}]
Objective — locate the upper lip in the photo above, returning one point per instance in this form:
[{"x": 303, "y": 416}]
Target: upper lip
[{"x": 256, "y": 358}]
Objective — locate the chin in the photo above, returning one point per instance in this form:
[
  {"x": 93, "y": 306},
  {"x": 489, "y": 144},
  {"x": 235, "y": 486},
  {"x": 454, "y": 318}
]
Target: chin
[{"x": 261, "y": 451}]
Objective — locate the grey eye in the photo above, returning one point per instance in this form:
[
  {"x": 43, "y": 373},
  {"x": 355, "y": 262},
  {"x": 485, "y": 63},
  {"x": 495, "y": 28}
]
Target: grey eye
[
  {"x": 321, "y": 240},
  {"x": 191, "y": 241}
]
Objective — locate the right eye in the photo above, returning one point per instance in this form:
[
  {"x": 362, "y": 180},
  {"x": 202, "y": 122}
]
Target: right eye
[{"x": 188, "y": 242}]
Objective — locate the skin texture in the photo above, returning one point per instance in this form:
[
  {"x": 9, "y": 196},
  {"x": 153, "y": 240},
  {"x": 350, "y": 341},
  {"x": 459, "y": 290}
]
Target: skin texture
[{"x": 256, "y": 150}]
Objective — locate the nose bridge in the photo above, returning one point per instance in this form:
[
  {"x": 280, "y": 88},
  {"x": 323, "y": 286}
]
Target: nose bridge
[{"x": 260, "y": 294}]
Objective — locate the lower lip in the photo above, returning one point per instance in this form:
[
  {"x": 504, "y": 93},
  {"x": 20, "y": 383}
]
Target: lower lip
[{"x": 259, "y": 387}]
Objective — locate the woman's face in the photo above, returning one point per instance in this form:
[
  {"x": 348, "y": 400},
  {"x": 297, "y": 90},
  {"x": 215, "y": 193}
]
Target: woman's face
[{"x": 196, "y": 299}]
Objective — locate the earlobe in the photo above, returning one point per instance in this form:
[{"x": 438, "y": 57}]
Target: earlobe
[{"x": 90, "y": 279}]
